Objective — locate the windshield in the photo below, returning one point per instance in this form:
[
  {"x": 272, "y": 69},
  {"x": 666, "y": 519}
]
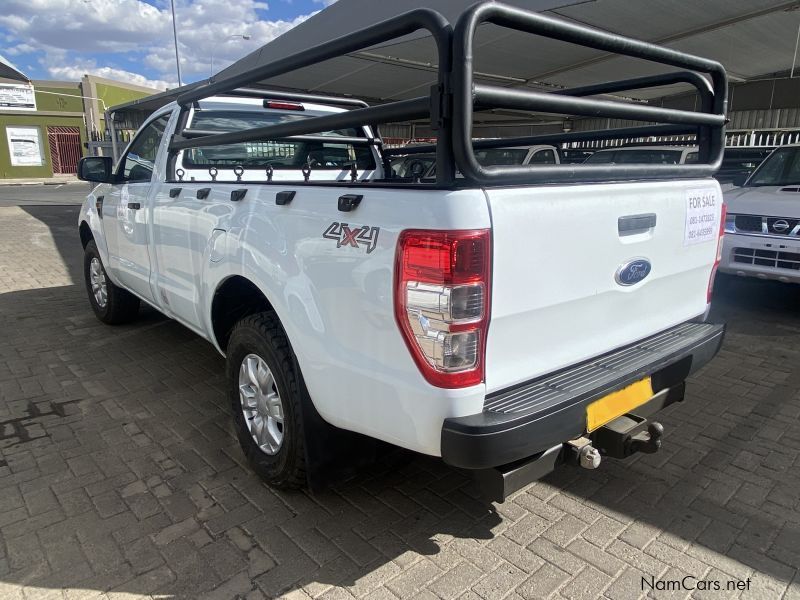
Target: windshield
[
  {"x": 781, "y": 168},
  {"x": 280, "y": 154},
  {"x": 630, "y": 156},
  {"x": 501, "y": 156}
]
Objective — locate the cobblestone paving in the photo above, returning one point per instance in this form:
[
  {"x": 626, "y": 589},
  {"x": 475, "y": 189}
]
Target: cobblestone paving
[{"x": 120, "y": 476}]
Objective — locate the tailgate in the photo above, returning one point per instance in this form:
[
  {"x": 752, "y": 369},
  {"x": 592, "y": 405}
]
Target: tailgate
[{"x": 568, "y": 263}]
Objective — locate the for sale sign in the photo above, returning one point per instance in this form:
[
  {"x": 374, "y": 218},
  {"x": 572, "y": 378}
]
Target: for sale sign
[{"x": 702, "y": 216}]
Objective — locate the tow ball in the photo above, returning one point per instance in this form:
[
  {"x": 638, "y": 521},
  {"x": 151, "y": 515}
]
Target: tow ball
[
  {"x": 620, "y": 438},
  {"x": 627, "y": 435}
]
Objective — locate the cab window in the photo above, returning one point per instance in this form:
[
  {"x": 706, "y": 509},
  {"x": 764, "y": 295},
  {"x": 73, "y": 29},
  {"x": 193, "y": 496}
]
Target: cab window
[
  {"x": 328, "y": 153},
  {"x": 543, "y": 157},
  {"x": 138, "y": 163}
]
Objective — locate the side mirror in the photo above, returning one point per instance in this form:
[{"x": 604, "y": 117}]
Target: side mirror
[
  {"x": 98, "y": 169},
  {"x": 740, "y": 178}
]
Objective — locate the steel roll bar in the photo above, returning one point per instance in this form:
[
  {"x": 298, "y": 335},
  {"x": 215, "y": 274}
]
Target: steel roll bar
[
  {"x": 466, "y": 94},
  {"x": 455, "y": 97},
  {"x": 497, "y": 97},
  {"x": 297, "y": 96},
  {"x": 397, "y": 27},
  {"x": 555, "y": 138},
  {"x": 401, "y": 110}
]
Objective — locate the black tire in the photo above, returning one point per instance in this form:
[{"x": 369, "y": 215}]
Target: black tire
[
  {"x": 261, "y": 334},
  {"x": 121, "y": 306}
]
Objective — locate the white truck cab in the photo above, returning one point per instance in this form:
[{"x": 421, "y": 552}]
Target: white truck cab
[{"x": 507, "y": 320}]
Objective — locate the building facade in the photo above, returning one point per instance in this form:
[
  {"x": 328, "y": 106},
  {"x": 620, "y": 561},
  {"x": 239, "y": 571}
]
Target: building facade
[{"x": 46, "y": 126}]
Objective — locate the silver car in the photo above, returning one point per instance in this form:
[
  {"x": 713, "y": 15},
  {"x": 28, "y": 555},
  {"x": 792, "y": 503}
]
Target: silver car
[{"x": 762, "y": 229}]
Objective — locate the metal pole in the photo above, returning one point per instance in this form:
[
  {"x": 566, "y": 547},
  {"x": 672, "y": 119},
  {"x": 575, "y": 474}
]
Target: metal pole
[
  {"x": 794, "y": 56},
  {"x": 175, "y": 35},
  {"x": 113, "y": 131},
  {"x": 244, "y": 36}
]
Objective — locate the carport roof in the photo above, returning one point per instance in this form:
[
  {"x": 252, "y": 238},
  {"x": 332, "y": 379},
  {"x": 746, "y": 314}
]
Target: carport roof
[
  {"x": 752, "y": 38},
  {"x": 9, "y": 71}
]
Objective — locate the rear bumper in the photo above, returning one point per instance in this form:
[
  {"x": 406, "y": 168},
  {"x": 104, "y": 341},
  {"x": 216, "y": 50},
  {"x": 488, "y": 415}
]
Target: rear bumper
[{"x": 535, "y": 416}]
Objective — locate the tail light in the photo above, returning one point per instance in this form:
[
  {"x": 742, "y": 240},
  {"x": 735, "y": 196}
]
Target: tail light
[
  {"x": 442, "y": 302},
  {"x": 722, "y": 226}
]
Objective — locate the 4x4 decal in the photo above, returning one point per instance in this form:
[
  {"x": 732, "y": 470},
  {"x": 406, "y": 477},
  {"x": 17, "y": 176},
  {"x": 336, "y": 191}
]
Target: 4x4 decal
[{"x": 356, "y": 237}]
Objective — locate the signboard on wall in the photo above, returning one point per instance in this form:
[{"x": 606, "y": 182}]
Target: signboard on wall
[
  {"x": 17, "y": 96},
  {"x": 25, "y": 146}
]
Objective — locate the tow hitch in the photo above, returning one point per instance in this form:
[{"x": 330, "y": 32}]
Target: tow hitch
[
  {"x": 627, "y": 435},
  {"x": 620, "y": 438}
]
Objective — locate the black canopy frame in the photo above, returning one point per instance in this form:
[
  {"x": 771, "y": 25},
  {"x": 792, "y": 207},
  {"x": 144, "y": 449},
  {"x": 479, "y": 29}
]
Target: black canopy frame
[{"x": 452, "y": 100}]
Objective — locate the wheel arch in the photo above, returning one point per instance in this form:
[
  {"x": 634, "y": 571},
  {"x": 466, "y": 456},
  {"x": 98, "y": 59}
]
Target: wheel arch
[
  {"x": 85, "y": 233},
  {"x": 235, "y": 297}
]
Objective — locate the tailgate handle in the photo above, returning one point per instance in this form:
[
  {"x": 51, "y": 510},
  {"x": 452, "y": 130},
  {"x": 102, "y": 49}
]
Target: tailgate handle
[{"x": 631, "y": 223}]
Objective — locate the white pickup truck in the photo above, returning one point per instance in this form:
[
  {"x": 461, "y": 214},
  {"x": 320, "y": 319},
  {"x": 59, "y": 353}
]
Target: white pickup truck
[{"x": 507, "y": 320}]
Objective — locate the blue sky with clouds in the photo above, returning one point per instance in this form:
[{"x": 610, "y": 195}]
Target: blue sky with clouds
[{"x": 131, "y": 40}]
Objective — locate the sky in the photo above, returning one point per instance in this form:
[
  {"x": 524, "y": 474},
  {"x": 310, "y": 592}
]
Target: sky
[{"x": 131, "y": 40}]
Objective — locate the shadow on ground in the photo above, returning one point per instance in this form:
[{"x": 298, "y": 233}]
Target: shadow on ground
[{"x": 119, "y": 470}]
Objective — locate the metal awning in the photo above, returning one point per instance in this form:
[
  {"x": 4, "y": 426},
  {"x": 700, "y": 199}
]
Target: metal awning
[
  {"x": 751, "y": 38},
  {"x": 9, "y": 71}
]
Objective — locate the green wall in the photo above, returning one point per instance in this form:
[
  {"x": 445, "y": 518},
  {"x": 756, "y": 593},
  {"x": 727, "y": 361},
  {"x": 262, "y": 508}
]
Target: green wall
[
  {"x": 113, "y": 95},
  {"x": 49, "y": 102},
  {"x": 33, "y": 120}
]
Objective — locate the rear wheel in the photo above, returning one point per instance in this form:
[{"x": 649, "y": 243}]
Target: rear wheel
[
  {"x": 110, "y": 303},
  {"x": 265, "y": 396}
]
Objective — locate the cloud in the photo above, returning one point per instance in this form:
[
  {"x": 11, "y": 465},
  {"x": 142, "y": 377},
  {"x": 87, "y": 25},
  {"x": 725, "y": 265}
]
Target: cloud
[
  {"x": 74, "y": 73},
  {"x": 132, "y": 35}
]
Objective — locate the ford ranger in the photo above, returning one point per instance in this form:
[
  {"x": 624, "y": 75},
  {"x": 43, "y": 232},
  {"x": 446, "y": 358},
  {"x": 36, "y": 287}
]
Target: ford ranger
[{"x": 506, "y": 320}]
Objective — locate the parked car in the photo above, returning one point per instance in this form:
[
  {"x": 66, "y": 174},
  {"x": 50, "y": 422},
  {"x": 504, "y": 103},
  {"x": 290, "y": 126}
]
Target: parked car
[
  {"x": 652, "y": 155},
  {"x": 739, "y": 163},
  {"x": 763, "y": 224},
  {"x": 406, "y": 166},
  {"x": 507, "y": 321},
  {"x": 530, "y": 155},
  {"x": 527, "y": 155},
  {"x": 574, "y": 156}
]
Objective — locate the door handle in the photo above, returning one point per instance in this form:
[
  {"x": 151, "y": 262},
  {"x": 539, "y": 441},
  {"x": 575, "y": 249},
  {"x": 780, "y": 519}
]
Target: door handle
[
  {"x": 175, "y": 192},
  {"x": 134, "y": 205},
  {"x": 632, "y": 223}
]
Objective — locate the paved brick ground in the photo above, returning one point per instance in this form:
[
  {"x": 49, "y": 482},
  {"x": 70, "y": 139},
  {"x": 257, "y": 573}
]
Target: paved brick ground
[{"x": 120, "y": 476}]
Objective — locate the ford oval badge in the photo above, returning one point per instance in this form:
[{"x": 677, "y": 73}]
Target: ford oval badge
[{"x": 633, "y": 271}]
